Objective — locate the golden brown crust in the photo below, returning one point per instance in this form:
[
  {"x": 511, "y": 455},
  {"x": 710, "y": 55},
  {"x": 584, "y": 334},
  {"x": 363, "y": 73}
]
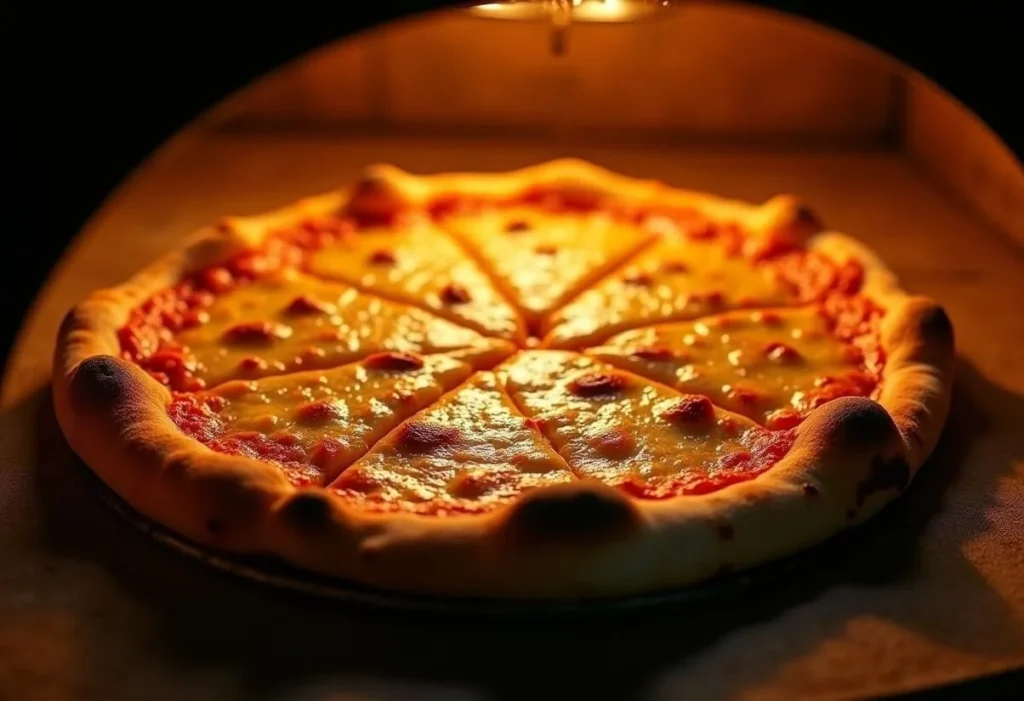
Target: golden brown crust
[
  {"x": 851, "y": 456},
  {"x": 918, "y": 340},
  {"x": 385, "y": 185},
  {"x": 114, "y": 415}
]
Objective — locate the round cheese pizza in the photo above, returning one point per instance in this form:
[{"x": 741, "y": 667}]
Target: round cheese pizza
[{"x": 557, "y": 382}]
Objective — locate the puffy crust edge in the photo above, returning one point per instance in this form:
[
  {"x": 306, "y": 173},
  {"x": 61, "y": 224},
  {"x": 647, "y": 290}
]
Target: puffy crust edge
[
  {"x": 384, "y": 186},
  {"x": 581, "y": 539},
  {"x": 919, "y": 342}
]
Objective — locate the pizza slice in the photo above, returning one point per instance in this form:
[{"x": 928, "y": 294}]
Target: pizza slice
[
  {"x": 410, "y": 260},
  {"x": 470, "y": 450},
  {"x": 703, "y": 271},
  {"x": 773, "y": 366},
  {"x": 313, "y": 424},
  {"x": 632, "y": 433},
  {"x": 284, "y": 322},
  {"x": 540, "y": 258}
]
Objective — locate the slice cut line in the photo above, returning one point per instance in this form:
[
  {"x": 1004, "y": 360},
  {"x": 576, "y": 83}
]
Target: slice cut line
[
  {"x": 625, "y": 259},
  {"x": 414, "y": 262},
  {"x": 635, "y": 434},
  {"x": 773, "y": 366},
  {"x": 284, "y": 321},
  {"x": 693, "y": 274},
  {"x": 540, "y": 258},
  {"x": 469, "y": 452},
  {"x": 314, "y": 424}
]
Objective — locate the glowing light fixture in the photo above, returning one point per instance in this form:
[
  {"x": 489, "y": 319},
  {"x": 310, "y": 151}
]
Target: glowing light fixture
[
  {"x": 559, "y": 14},
  {"x": 579, "y": 10}
]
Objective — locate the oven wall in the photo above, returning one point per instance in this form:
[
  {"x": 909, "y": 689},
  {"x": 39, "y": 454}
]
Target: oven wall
[
  {"x": 703, "y": 75},
  {"x": 700, "y": 72},
  {"x": 979, "y": 168}
]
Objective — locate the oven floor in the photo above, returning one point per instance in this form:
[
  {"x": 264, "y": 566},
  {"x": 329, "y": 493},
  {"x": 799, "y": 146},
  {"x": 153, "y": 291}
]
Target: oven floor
[{"x": 930, "y": 592}]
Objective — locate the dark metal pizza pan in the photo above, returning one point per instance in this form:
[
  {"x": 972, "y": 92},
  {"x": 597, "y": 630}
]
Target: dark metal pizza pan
[{"x": 281, "y": 576}]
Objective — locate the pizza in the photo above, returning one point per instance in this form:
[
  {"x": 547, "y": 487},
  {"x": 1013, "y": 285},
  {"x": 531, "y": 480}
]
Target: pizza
[{"x": 556, "y": 382}]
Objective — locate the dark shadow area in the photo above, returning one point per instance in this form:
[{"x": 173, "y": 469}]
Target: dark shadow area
[
  {"x": 1007, "y": 685},
  {"x": 902, "y": 566}
]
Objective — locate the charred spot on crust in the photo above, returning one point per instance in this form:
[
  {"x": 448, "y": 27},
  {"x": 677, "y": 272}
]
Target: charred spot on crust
[
  {"x": 861, "y": 422},
  {"x": 594, "y": 384},
  {"x": 934, "y": 323},
  {"x": 546, "y": 249},
  {"x": 307, "y": 510},
  {"x": 517, "y": 226},
  {"x": 102, "y": 381},
  {"x": 390, "y": 360},
  {"x": 884, "y": 473},
  {"x": 810, "y": 490},
  {"x": 423, "y": 436},
  {"x": 70, "y": 322},
  {"x": 577, "y": 513},
  {"x": 374, "y": 198},
  {"x": 806, "y": 216}
]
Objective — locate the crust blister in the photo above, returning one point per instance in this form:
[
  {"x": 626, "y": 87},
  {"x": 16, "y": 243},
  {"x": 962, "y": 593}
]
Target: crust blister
[
  {"x": 114, "y": 415},
  {"x": 848, "y": 459},
  {"x": 571, "y": 514}
]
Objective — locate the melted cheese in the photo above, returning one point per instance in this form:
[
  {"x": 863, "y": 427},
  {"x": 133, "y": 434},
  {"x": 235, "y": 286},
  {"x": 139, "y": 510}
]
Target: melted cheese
[
  {"x": 332, "y": 417},
  {"x": 541, "y": 259},
  {"x": 472, "y": 445},
  {"x": 677, "y": 279},
  {"x": 418, "y": 264},
  {"x": 625, "y": 433},
  {"x": 754, "y": 363},
  {"x": 668, "y": 405},
  {"x": 256, "y": 330}
]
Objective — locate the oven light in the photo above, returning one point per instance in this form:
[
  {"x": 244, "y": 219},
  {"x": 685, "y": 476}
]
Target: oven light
[
  {"x": 560, "y": 14},
  {"x": 580, "y": 10}
]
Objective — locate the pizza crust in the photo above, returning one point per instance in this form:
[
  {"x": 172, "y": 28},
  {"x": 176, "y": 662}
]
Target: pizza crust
[
  {"x": 384, "y": 187},
  {"x": 583, "y": 539}
]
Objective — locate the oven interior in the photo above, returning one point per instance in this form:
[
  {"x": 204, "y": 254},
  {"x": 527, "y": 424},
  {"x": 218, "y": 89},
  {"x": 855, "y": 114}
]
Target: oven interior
[{"x": 721, "y": 97}]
